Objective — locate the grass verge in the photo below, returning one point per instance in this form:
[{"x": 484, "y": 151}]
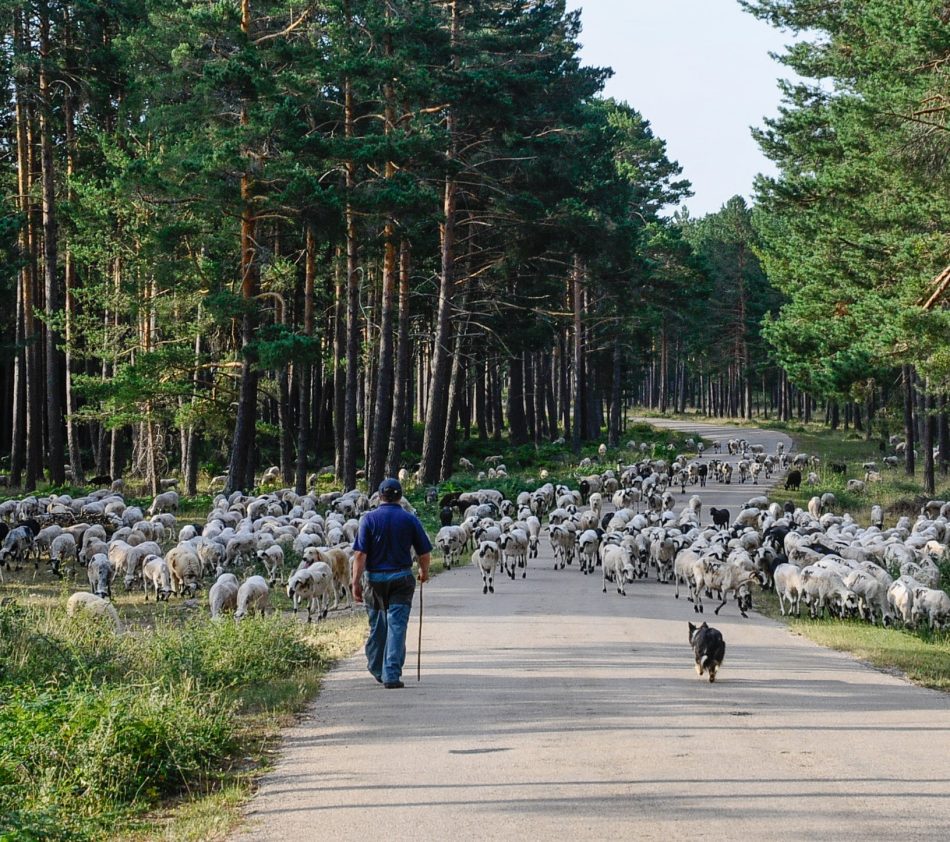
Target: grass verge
[
  {"x": 160, "y": 731},
  {"x": 920, "y": 656}
]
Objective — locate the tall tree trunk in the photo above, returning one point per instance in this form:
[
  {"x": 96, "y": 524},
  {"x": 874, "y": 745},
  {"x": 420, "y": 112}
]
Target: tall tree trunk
[
  {"x": 383, "y": 411},
  {"x": 72, "y": 433},
  {"x": 403, "y": 387},
  {"x": 578, "y": 354},
  {"x": 306, "y": 369},
  {"x": 943, "y": 434},
  {"x": 909, "y": 437},
  {"x": 350, "y": 440},
  {"x": 433, "y": 435},
  {"x": 241, "y": 468},
  {"x": 516, "y": 416},
  {"x": 616, "y": 409},
  {"x": 928, "y": 442},
  {"x": 54, "y": 404},
  {"x": 530, "y": 397},
  {"x": 25, "y": 373},
  {"x": 339, "y": 363}
]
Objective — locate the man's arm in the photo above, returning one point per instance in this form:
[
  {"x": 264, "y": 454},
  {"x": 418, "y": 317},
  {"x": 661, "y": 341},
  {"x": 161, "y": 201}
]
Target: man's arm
[
  {"x": 359, "y": 565},
  {"x": 424, "y": 560}
]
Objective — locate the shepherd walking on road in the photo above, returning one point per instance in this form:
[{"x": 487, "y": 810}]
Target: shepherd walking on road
[{"x": 383, "y": 549}]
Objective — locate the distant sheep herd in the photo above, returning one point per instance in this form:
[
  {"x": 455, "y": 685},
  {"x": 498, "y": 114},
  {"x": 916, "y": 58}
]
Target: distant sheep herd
[{"x": 622, "y": 521}]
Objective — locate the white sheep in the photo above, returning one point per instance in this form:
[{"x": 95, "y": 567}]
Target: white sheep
[
  {"x": 61, "y": 549},
  {"x": 185, "y": 567},
  {"x": 167, "y": 501},
  {"x": 100, "y": 573},
  {"x": 485, "y": 558},
  {"x": 155, "y": 573},
  {"x": 617, "y": 567},
  {"x": 313, "y": 584},
  {"x": 222, "y": 596},
  {"x": 90, "y": 605},
  {"x": 253, "y": 597},
  {"x": 272, "y": 558},
  {"x": 514, "y": 547},
  {"x": 931, "y": 605}
]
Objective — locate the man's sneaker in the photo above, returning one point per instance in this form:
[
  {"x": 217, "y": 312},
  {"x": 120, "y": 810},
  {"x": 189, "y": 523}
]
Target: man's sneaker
[{"x": 393, "y": 685}]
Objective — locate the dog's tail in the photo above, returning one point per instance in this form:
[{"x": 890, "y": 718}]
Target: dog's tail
[{"x": 703, "y": 660}]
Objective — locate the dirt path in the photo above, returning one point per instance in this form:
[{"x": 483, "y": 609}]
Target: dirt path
[{"x": 553, "y": 710}]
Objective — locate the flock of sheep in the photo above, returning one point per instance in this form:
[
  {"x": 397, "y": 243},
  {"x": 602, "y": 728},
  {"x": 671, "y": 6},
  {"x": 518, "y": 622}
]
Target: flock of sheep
[
  {"x": 118, "y": 544},
  {"x": 622, "y": 521},
  {"x": 625, "y": 522}
]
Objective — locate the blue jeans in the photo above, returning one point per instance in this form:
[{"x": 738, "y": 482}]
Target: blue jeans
[{"x": 389, "y": 604}]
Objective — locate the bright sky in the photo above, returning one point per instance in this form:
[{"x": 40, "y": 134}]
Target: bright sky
[{"x": 700, "y": 72}]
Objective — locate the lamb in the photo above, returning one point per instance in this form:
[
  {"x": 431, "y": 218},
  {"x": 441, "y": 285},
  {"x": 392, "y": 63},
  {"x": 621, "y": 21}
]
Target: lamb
[
  {"x": 313, "y": 584},
  {"x": 588, "y": 545},
  {"x": 90, "y": 605},
  {"x": 99, "y": 572},
  {"x": 222, "y": 596},
  {"x": 272, "y": 558},
  {"x": 485, "y": 558},
  {"x": 617, "y": 567},
  {"x": 856, "y": 486},
  {"x": 253, "y": 597},
  {"x": 185, "y": 567},
  {"x": 155, "y": 572}
]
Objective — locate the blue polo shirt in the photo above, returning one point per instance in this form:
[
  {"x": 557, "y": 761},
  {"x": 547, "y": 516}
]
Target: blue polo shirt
[{"x": 388, "y": 535}]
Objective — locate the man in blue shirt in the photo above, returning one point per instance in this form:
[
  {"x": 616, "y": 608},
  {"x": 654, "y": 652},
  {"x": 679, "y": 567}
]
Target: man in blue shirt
[{"x": 383, "y": 549}]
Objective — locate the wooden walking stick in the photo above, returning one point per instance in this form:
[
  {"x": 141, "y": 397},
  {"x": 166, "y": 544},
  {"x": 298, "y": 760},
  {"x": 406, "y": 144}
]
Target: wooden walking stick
[{"x": 419, "y": 647}]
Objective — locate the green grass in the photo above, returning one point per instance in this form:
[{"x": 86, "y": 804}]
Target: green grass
[
  {"x": 99, "y": 730},
  {"x": 920, "y": 656}
]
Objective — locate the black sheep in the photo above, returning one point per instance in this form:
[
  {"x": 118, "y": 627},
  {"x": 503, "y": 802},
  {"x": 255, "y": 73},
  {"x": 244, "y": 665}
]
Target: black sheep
[
  {"x": 102, "y": 479},
  {"x": 31, "y": 524},
  {"x": 445, "y": 515},
  {"x": 793, "y": 481},
  {"x": 838, "y": 467},
  {"x": 702, "y": 470},
  {"x": 450, "y": 499},
  {"x": 720, "y": 517}
]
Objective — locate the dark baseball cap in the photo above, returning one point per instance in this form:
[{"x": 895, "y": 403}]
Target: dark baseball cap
[{"x": 390, "y": 488}]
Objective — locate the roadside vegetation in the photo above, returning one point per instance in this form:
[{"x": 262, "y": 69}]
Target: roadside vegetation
[{"x": 99, "y": 729}]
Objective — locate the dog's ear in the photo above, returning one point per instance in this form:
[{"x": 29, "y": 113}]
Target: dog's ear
[
  {"x": 705, "y": 625},
  {"x": 692, "y": 630}
]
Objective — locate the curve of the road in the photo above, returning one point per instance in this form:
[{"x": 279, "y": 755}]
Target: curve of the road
[{"x": 553, "y": 710}]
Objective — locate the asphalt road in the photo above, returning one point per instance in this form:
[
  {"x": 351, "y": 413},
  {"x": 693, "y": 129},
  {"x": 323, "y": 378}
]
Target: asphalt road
[{"x": 553, "y": 710}]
